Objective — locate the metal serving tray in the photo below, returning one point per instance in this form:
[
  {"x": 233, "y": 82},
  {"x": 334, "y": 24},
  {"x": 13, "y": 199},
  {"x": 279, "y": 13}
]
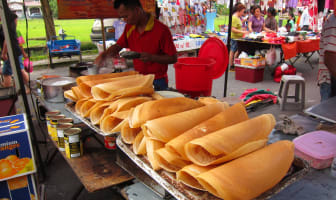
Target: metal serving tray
[
  {"x": 140, "y": 168},
  {"x": 71, "y": 108}
]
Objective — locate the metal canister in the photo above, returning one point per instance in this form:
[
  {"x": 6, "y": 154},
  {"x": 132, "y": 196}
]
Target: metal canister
[
  {"x": 48, "y": 115},
  {"x": 109, "y": 141},
  {"x": 73, "y": 144},
  {"x": 65, "y": 120},
  {"x": 61, "y": 127},
  {"x": 53, "y": 125}
]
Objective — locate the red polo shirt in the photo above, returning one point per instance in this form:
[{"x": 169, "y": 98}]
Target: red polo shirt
[{"x": 156, "y": 39}]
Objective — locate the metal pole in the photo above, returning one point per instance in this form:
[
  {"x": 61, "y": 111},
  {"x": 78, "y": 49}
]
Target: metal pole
[
  {"x": 10, "y": 38},
  {"x": 103, "y": 32},
  {"x": 228, "y": 46}
]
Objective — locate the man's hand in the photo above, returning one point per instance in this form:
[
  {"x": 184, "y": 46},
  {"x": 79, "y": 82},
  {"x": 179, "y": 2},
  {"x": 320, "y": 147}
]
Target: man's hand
[
  {"x": 329, "y": 61},
  {"x": 110, "y": 52},
  {"x": 4, "y": 57}
]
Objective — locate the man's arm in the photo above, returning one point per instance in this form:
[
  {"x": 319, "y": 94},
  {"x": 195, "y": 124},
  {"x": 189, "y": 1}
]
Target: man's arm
[
  {"x": 329, "y": 61},
  {"x": 161, "y": 59}
]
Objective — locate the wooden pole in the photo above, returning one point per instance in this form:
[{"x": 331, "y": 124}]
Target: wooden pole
[{"x": 103, "y": 32}]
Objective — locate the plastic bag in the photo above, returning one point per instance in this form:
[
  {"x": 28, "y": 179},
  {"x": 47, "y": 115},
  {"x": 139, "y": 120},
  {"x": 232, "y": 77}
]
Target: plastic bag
[{"x": 271, "y": 56}]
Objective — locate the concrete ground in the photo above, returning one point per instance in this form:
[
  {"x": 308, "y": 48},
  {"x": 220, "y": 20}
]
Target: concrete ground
[{"x": 62, "y": 183}]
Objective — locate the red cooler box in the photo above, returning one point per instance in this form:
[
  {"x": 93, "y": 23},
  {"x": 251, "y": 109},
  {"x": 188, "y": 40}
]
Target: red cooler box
[{"x": 249, "y": 74}]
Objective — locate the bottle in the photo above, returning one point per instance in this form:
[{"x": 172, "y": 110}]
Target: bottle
[{"x": 333, "y": 167}]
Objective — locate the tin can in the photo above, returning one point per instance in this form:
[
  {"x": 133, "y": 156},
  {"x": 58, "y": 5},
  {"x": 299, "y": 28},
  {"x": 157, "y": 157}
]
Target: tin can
[
  {"x": 72, "y": 143},
  {"x": 53, "y": 125},
  {"x": 48, "y": 115},
  {"x": 60, "y": 134},
  {"x": 109, "y": 141},
  {"x": 65, "y": 120}
]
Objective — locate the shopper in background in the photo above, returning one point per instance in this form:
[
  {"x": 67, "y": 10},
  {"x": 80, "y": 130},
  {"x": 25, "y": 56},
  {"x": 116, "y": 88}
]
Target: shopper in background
[
  {"x": 146, "y": 35},
  {"x": 6, "y": 69},
  {"x": 257, "y": 21},
  {"x": 304, "y": 20},
  {"x": 327, "y": 64},
  {"x": 270, "y": 21},
  {"x": 236, "y": 32},
  {"x": 298, "y": 28},
  {"x": 291, "y": 23}
]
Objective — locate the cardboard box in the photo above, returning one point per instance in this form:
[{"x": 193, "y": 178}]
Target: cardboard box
[
  {"x": 255, "y": 62},
  {"x": 19, "y": 188},
  {"x": 249, "y": 74},
  {"x": 16, "y": 154}
]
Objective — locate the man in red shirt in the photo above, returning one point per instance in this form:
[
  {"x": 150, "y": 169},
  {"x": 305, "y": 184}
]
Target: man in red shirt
[{"x": 145, "y": 35}]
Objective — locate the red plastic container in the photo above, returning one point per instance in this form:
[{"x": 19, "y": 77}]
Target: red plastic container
[
  {"x": 249, "y": 74},
  {"x": 318, "y": 148},
  {"x": 194, "y": 76}
]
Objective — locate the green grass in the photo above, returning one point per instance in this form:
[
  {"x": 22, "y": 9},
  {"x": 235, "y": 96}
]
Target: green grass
[{"x": 81, "y": 29}]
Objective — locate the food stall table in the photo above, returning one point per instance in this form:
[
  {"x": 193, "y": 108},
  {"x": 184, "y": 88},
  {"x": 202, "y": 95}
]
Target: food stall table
[{"x": 96, "y": 168}]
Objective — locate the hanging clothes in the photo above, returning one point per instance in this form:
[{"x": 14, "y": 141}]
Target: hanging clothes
[{"x": 292, "y": 3}]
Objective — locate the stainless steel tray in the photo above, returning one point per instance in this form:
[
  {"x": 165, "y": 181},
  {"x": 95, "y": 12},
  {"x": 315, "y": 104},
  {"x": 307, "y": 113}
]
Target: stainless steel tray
[
  {"x": 178, "y": 190},
  {"x": 71, "y": 108}
]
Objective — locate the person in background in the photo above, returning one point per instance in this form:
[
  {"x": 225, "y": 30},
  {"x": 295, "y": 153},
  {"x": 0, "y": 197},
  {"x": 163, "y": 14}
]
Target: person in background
[
  {"x": 236, "y": 32},
  {"x": 298, "y": 20},
  {"x": 270, "y": 21},
  {"x": 291, "y": 23},
  {"x": 146, "y": 35},
  {"x": 327, "y": 64},
  {"x": 6, "y": 69},
  {"x": 304, "y": 20},
  {"x": 257, "y": 22}
]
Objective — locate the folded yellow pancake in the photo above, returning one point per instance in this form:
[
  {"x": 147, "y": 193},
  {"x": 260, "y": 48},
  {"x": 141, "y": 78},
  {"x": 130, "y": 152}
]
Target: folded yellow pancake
[
  {"x": 249, "y": 176},
  {"x": 167, "y": 128},
  {"x": 85, "y": 87},
  {"x": 139, "y": 144},
  {"x": 87, "y": 106},
  {"x": 208, "y": 100},
  {"x": 76, "y": 91},
  {"x": 159, "y": 108},
  {"x": 230, "y": 142},
  {"x": 70, "y": 95},
  {"x": 124, "y": 88},
  {"x": 128, "y": 134},
  {"x": 82, "y": 79},
  {"x": 234, "y": 114},
  {"x": 187, "y": 175},
  {"x": 169, "y": 160},
  {"x": 79, "y": 104},
  {"x": 151, "y": 147},
  {"x": 109, "y": 124},
  {"x": 97, "y": 112},
  {"x": 121, "y": 114},
  {"x": 157, "y": 96}
]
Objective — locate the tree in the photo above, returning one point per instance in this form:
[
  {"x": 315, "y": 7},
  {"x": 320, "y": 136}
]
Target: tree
[{"x": 48, "y": 19}]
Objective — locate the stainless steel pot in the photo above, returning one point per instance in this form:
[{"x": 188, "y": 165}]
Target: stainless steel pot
[{"x": 53, "y": 88}]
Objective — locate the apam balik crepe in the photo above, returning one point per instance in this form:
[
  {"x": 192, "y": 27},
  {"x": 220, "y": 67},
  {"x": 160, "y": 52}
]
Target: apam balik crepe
[
  {"x": 76, "y": 91},
  {"x": 140, "y": 85},
  {"x": 151, "y": 147},
  {"x": 128, "y": 134},
  {"x": 208, "y": 100},
  {"x": 167, "y": 128},
  {"x": 159, "y": 108},
  {"x": 97, "y": 112},
  {"x": 79, "y": 104},
  {"x": 139, "y": 144},
  {"x": 85, "y": 87},
  {"x": 233, "y": 115},
  {"x": 187, "y": 175},
  {"x": 88, "y": 106},
  {"x": 82, "y": 79},
  {"x": 169, "y": 160},
  {"x": 70, "y": 95},
  {"x": 251, "y": 175},
  {"x": 231, "y": 142}
]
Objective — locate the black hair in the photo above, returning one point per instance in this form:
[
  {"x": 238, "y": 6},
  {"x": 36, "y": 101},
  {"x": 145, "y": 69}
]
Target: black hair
[
  {"x": 300, "y": 11},
  {"x": 272, "y": 11},
  {"x": 127, "y": 3},
  {"x": 234, "y": 9}
]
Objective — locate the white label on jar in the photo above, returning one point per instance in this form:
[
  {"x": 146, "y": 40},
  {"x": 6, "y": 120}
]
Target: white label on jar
[{"x": 73, "y": 139}]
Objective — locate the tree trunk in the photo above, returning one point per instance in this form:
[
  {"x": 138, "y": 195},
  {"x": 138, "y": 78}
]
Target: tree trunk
[{"x": 48, "y": 19}]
